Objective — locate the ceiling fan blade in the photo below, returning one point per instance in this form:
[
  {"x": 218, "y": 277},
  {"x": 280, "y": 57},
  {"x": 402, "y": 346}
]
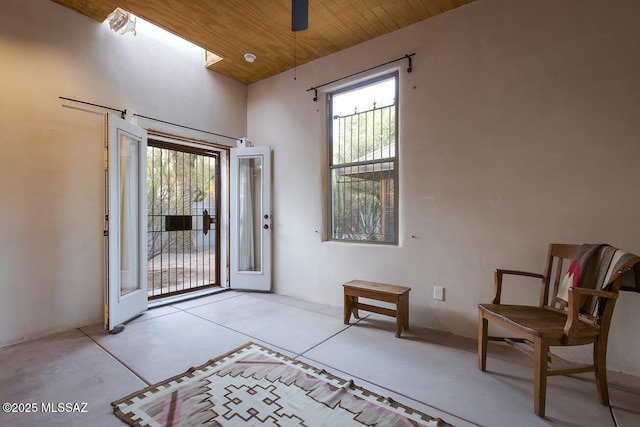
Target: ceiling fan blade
[{"x": 299, "y": 15}]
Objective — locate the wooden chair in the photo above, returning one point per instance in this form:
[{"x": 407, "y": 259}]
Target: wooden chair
[{"x": 560, "y": 323}]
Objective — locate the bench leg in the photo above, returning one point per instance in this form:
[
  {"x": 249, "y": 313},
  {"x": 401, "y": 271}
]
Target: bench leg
[
  {"x": 347, "y": 309},
  {"x": 402, "y": 314},
  {"x": 405, "y": 304},
  {"x": 350, "y": 307}
]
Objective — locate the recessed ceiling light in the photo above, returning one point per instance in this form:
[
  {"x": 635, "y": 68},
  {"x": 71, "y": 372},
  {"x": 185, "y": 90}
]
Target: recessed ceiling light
[{"x": 249, "y": 57}]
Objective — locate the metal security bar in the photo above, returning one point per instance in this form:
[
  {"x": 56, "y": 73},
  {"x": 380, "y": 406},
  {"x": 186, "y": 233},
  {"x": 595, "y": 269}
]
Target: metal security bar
[
  {"x": 183, "y": 204},
  {"x": 363, "y": 175}
]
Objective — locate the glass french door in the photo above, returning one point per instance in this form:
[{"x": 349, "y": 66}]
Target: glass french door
[
  {"x": 250, "y": 240},
  {"x": 126, "y": 222}
]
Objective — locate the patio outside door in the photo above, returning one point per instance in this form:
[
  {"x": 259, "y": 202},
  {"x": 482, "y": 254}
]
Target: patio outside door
[{"x": 183, "y": 204}]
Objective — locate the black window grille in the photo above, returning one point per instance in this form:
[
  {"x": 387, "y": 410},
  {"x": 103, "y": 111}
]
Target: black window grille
[{"x": 363, "y": 162}]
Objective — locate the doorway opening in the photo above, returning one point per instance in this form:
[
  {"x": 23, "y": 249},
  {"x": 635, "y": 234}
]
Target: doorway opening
[{"x": 183, "y": 197}]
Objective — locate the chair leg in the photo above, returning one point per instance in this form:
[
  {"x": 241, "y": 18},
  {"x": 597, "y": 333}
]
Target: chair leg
[
  {"x": 483, "y": 326},
  {"x": 541, "y": 354},
  {"x": 600, "y": 362}
]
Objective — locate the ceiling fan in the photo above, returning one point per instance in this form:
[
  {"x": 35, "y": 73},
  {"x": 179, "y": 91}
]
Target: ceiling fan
[{"x": 299, "y": 15}]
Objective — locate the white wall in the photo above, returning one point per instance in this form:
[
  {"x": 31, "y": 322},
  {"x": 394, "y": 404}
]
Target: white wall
[
  {"x": 51, "y": 158},
  {"x": 519, "y": 127}
]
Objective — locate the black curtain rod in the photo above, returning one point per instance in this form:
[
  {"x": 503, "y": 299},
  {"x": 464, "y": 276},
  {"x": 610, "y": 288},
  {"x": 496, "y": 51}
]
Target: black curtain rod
[
  {"x": 122, "y": 114},
  {"x": 94, "y": 105},
  {"x": 409, "y": 69},
  {"x": 187, "y": 127}
]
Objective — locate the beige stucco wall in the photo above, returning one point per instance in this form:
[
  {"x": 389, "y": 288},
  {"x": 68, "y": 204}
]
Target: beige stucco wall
[
  {"x": 519, "y": 127},
  {"x": 51, "y": 155}
]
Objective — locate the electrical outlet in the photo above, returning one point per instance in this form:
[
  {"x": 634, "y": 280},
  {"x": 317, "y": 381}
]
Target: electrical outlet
[{"x": 438, "y": 293}]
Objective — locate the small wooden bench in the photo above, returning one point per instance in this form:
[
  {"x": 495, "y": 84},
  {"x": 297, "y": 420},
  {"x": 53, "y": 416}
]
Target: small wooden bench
[{"x": 398, "y": 295}]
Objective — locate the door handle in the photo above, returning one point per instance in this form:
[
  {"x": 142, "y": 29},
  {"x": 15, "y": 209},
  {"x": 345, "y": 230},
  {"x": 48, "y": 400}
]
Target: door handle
[{"x": 206, "y": 222}]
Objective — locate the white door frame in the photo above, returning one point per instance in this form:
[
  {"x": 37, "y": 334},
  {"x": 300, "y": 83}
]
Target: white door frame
[
  {"x": 126, "y": 240},
  {"x": 250, "y": 167}
]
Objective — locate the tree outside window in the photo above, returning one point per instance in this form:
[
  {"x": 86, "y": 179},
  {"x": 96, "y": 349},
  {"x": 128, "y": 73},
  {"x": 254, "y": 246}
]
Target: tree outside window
[{"x": 363, "y": 166}]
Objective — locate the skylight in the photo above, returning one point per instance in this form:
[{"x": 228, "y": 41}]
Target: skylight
[
  {"x": 211, "y": 58},
  {"x": 122, "y": 21}
]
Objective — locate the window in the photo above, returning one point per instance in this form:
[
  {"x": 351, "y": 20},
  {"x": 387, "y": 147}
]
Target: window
[{"x": 363, "y": 167}]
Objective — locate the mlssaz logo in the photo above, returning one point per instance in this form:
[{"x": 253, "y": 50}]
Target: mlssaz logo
[{"x": 65, "y": 407}]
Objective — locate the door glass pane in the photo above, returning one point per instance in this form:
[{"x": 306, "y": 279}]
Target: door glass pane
[
  {"x": 250, "y": 214},
  {"x": 129, "y": 214}
]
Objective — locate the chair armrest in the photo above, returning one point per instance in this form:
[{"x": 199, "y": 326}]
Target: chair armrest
[
  {"x": 497, "y": 291},
  {"x": 593, "y": 293},
  {"x": 573, "y": 309}
]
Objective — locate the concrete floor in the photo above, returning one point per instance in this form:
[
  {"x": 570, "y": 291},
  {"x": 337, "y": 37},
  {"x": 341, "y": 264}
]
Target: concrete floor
[{"x": 428, "y": 370}]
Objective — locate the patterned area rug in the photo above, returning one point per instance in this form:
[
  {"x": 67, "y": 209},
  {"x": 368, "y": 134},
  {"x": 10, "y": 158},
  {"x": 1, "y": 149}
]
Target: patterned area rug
[{"x": 256, "y": 386}]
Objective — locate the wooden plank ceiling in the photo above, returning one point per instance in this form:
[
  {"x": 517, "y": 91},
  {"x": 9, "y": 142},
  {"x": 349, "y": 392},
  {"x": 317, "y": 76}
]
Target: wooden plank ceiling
[{"x": 231, "y": 28}]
